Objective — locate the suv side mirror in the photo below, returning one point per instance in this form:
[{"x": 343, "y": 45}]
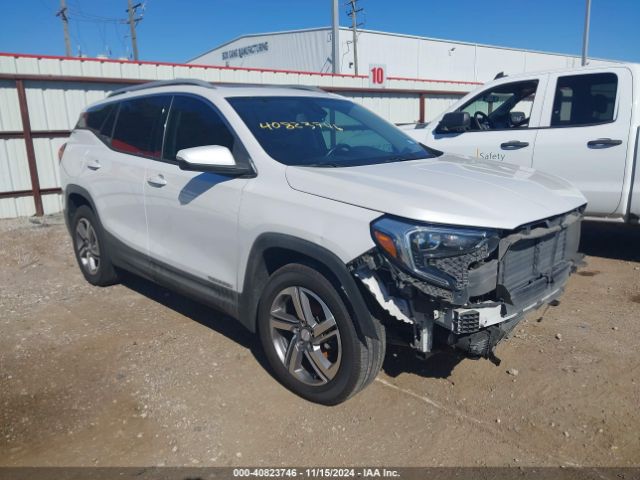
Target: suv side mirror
[
  {"x": 455, "y": 122},
  {"x": 517, "y": 118},
  {"x": 210, "y": 158}
]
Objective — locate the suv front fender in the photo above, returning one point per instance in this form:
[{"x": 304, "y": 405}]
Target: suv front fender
[{"x": 271, "y": 251}]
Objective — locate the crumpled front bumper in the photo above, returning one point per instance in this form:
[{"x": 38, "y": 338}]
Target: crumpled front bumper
[{"x": 529, "y": 269}]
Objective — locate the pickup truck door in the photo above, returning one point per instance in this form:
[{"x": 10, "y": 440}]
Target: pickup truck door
[
  {"x": 584, "y": 134},
  {"x": 503, "y": 121}
]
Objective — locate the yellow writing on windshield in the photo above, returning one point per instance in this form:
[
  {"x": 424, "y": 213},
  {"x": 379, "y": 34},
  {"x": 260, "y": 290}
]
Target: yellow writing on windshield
[{"x": 299, "y": 126}]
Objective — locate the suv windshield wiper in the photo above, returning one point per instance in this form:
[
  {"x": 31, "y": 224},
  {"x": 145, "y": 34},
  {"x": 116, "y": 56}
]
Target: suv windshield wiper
[
  {"x": 321, "y": 165},
  {"x": 395, "y": 159}
]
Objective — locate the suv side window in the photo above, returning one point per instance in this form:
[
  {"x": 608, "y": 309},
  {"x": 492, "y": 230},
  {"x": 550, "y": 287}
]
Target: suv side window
[
  {"x": 99, "y": 120},
  {"x": 139, "y": 126},
  {"x": 584, "y": 100},
  {"x": 502, "y": 107},
  {"x": 195, "y": 123}
]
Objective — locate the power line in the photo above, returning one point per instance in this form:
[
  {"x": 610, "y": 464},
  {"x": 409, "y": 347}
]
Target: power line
[
  {"x": 73, "y": 11},
  {"x": 79, "y": 40},
  {"x": 80, "y": 14}
]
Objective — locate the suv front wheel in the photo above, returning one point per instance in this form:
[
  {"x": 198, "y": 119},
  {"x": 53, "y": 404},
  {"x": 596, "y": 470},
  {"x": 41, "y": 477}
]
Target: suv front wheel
[{"x": 310, "y": 339}]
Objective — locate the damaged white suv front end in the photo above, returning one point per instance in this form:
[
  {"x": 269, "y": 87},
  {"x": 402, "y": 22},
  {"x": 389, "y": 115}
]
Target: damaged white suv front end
[
  {"x": 467, "y": 287},
  {"x": 463, "y": 247}
]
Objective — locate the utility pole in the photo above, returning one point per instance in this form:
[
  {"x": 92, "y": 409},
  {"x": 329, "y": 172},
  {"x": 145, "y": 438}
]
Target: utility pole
[
  {"x": 62, "y": 13},
  {"x": 354, "y": 27},
  {"x": 585, "y": 38},
  {"x": 335, "y": 37},
  {"x": 132, "y": 25}
]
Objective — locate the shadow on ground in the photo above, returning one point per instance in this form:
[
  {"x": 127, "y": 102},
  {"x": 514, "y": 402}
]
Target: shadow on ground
[
  {"x": 611, "y": 240},
  {"x": 405, "y": 360},
  {"x": 199, "y": 312},
  {"x": 397, "y": 360}
]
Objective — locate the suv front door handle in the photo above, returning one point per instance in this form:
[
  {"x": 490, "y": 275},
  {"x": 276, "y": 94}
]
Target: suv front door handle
[
  {"x": 513, "y": 145},
  {"x": 603, "y": 143},
  {"x": 157, "y": 181}
]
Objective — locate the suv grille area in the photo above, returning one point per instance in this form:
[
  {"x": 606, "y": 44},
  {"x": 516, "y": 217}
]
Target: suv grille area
[
  {"x": 530, "y": 266},
  {"x": 467, "y": 322}
]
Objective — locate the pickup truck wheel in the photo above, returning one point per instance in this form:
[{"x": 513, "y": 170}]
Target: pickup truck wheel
[
  {"x": 90, "y": 248},
  {"x": 310, "y": 340}
]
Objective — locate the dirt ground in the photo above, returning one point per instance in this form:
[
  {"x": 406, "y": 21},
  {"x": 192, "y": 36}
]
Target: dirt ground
[{"x": 134, "y": 375}]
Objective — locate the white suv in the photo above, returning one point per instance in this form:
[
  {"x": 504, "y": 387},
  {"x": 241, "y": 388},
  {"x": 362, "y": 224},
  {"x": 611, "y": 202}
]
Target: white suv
[{"x": 315, "y": 223}]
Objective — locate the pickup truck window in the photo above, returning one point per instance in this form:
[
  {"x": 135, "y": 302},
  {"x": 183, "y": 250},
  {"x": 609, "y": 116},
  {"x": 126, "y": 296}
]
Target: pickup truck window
[
  {"x": 584, "y": 100},
  {"x": 502, "y": 107}
]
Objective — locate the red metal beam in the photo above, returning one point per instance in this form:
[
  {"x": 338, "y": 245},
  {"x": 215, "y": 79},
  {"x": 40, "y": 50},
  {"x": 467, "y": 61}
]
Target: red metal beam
[
  {"x": 37, "y": 134},
  {"x": 28, "y": 193},
  {"x": 28, "y": 142},
  {"x": 131, "y": 81},
  {"x": 69, "y": 78}
]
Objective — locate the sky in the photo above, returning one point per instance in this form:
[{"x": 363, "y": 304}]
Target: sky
[{"x": 176, "y": 31}]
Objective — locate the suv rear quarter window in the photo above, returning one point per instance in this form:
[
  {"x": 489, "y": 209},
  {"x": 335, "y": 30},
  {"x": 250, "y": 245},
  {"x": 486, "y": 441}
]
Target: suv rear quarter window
[
  {"x": 99, "y": 120},
  {"x": 139, "y": 126}
]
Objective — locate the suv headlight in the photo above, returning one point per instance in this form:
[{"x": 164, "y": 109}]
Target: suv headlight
[{"x": 417, "y": 248}]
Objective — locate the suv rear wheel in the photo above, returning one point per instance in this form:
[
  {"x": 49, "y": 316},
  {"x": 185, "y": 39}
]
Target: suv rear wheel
[
  {"x": 90, "y": 249},
  {"x": 310, "y": 339}
]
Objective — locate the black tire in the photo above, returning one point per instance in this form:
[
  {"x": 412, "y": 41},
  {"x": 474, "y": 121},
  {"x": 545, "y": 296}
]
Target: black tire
[
  {"x": 360, "y": 358},
  {"x": 100, "y": 273}
]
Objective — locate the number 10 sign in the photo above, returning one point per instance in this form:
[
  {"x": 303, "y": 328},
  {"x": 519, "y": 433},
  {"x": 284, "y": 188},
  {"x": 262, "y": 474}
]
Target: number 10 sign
[{"x": 377, "y": 75}]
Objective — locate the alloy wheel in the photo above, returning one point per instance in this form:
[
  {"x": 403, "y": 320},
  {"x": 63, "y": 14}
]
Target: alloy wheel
[
  {"x": 87, "y": 246},
  {"x": 305, "y": 335}
]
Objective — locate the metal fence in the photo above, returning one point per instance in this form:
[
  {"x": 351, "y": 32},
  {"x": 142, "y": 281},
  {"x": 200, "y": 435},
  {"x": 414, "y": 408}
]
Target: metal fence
[{"x": 41, "y": 98}]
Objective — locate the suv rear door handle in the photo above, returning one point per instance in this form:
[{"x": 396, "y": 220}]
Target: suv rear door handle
[
  {"x": 157, "y": 181},
  {"x": 603, "y": 143},
  {"x": 513, "y": 145},
  {"x": 93, "y": 164}
]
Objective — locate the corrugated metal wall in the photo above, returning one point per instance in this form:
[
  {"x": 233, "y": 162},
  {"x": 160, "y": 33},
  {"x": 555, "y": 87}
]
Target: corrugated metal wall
[{"x": 54, "y": 106}]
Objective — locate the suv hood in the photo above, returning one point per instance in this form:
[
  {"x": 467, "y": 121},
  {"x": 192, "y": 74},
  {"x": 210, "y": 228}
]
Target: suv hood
[{"x": 447, "y": 189}]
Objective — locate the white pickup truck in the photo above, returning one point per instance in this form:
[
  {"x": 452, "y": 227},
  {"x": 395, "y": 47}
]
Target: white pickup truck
[{"x": 581, "y": 124}]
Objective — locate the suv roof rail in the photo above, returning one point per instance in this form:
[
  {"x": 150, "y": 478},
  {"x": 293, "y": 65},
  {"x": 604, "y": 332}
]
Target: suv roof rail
[
  {"x": 303, "y": 87},
  {"x": 270, "y": 85},
  {"x": 162, "y": 83}
]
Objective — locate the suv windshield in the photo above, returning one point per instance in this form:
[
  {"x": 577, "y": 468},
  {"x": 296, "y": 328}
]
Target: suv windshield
[{"x": 324, "y": 132}]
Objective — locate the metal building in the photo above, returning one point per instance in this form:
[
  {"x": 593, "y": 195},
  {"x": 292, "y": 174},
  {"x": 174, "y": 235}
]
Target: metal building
[{"x": 403, "y": 55}]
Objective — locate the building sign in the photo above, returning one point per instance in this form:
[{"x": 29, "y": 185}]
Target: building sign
[
  {"x": 377, "y": 75},
  {"x": 245, "y": 51}
]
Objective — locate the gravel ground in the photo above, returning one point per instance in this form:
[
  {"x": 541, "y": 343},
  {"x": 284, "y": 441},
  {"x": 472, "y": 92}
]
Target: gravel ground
[{"x": 134, "y": 375}]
